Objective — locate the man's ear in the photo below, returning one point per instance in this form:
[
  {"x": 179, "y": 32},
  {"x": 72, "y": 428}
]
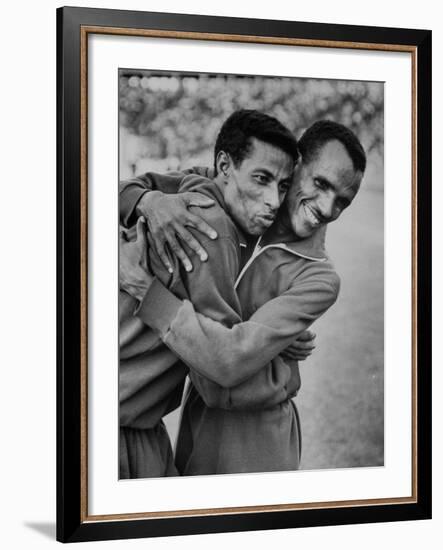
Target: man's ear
[{"x": 223, "y": 163}]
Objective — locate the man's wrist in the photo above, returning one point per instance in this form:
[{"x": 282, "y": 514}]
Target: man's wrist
[
  {"x": 135, "y": 290},
  {"x": 140, "y": 292},
  {"x": 145, "y": 203}
]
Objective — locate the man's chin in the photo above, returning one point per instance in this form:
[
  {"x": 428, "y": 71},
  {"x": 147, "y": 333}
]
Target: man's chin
[
  {"x": 258, "y": 232},
  {"x": 303, "y": 232},
  {"x": 258, "y": 229}
]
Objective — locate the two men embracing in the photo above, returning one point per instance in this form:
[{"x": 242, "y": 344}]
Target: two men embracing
[{"x": 231, "y": 312}]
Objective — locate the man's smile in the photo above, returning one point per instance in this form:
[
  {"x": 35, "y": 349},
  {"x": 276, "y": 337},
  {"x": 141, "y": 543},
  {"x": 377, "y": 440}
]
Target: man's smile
[{"x": 311, "y": 216}]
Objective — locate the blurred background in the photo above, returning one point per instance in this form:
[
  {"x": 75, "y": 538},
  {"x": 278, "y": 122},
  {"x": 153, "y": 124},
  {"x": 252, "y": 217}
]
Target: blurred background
[{"x": 171, "y": 120}]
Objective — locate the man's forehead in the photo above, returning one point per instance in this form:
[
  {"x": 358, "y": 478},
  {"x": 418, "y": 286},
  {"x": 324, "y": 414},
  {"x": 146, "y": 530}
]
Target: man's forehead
[
  {"x": 260, "y": 147},
  {"x": 333, "y": 158},
  {"x": 334, "y": 154},
  {"x": 262, "y": 152}
]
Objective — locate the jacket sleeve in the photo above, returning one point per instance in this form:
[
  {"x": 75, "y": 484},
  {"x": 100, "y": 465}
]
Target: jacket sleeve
[
  {"x": 231, "y": 355},
  {"x": 143, "y": 392},
  {"x": 278, "y": 381},
  {"x": 132, "y": 190},
  {"x": 212, "y": 291}
]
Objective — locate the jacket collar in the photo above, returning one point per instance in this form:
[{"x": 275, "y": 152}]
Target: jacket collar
[{"x": 312, "y": 247}]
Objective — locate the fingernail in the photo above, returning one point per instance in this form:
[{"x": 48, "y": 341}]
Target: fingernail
[
  {"x": 188, "y": 267},
  {"x": 203, "y": 257},
  {"x": 213, "y": 235},
  {"x": 170, "y": 269}
]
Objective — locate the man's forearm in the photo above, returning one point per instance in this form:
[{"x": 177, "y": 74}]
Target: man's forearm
[
  {"x": 272, "y": 385},
  {"x": 231, "y": 355}
]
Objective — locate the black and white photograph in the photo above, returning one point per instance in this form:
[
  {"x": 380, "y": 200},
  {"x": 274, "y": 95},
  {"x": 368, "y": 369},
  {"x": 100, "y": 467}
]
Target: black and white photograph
[
  {"x": 251, "y": 274},
  {"x": 243, "y": 274}
]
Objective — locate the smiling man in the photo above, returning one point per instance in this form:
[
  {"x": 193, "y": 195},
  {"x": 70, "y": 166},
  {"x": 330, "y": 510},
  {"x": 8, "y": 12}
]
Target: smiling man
[
  {"x": 326, "y": 181},
  {"x": 285, "y": 285}
]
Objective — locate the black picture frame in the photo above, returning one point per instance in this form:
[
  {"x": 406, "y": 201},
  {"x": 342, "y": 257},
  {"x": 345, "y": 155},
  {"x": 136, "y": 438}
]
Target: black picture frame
[{"x": 72, "y": 522}]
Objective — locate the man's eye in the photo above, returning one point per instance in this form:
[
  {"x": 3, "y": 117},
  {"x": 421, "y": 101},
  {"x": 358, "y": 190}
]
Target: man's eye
[
  {"x": 320, "y": 184},
  {"x": 284, "y": 188},
  {"x": 261, "y": 179}
]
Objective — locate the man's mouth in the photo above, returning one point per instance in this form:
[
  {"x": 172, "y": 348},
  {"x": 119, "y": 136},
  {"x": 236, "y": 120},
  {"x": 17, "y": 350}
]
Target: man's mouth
[
  {"x": 311, "y": 216},
  {"x": 267, "y": 219}
]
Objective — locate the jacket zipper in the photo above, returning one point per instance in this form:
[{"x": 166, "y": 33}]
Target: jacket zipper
[{"x": 258, "y": 250}]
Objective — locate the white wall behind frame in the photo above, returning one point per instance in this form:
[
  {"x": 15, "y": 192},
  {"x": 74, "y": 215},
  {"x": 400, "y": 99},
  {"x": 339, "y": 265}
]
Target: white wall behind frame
[{"x": 28, "y": 218}]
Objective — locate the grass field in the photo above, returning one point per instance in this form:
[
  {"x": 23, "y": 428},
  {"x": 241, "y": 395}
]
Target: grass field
[{"x": 341, "y": 401}]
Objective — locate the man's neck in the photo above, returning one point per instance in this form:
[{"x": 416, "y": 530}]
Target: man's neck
[
  {"x": 218, "y": 180},
  {"x": 281, "y": 230}
]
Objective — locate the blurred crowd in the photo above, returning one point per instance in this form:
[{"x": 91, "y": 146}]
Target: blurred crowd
[{"x": 168, "y": 120}]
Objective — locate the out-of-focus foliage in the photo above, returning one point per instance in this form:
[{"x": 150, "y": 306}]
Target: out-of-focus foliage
[{"x": 176, "y": 118}]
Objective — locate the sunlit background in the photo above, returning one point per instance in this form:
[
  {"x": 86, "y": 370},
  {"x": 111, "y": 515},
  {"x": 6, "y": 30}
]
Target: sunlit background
[{"x": 170, "y": 121}]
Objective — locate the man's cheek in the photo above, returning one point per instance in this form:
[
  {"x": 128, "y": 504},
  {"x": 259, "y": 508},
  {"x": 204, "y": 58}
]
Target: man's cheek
[
  {"x": 252, "y": 199},
  {"x": 283, "y": 196}
]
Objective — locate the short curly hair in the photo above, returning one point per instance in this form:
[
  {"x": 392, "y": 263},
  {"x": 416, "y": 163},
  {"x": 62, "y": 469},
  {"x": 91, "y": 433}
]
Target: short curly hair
[
  {"x": 236, "y": 132},
  {"x": 323, "y": 131}
]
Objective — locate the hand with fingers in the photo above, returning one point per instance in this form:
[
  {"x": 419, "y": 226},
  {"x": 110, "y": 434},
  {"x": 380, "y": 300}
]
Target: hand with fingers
[
  {"x": 134, "y": 275},
  {"x": 169, "y": 219},
  {"x": 302, "y": 347}
]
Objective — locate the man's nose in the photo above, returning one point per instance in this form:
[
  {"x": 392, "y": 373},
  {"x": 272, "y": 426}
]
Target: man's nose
[
  {"x": 326, "y": 206},
  {"x": 272, "y": 196}
]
